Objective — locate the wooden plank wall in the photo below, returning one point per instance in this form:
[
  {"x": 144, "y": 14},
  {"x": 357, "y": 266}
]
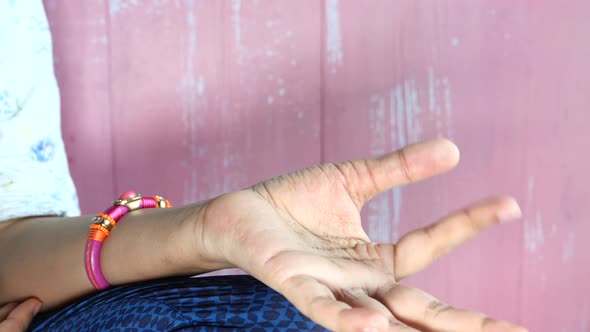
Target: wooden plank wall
[{"x": 191, "y": 99}]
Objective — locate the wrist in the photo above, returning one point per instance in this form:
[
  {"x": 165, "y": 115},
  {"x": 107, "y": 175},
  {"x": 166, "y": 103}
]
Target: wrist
[{"x": 205, "y": 242}]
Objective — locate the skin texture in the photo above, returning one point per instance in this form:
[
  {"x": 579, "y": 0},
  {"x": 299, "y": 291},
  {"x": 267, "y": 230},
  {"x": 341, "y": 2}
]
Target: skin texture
[
  {"x": 299, "y": 233},
  {"x": 17, "y": 316}
]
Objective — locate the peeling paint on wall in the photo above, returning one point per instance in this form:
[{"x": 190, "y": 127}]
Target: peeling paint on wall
[
  {"x": 533, "y": 234},
  {"x": 188, "y": 96},
  {"x": 439, "y": 97},
  {"x": 401, "y": 106},
  {"x": 405, "y": 109},
  {"x": 398, "y": 113},
  {"x": 412, "y": 110},
  {"x": 379, "y": 210},
  {"x": 115, "y": 6},
  {"x": 534, "y": 237},
  {"x": 236, "y": 7},
  {"x": 333, "y": 35},
  {"x": 201, "y": 86},
  {"x": 448, "y": 106},
  {"x": 568, "y": 248}
]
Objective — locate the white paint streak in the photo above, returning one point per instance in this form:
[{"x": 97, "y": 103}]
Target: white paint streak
[
  {"x": 392, "y": 122},
  {"x": 435, "y": 97},
  {"x": 533, "y": 234},
  {"x": 431, "y": 91},
  {"x": 333, "y": 38},
  {"x": 104, "y": 40},
  {"x": 448, "y": 105},
  {"x": 455, "y": 41},
  {"x": 399, "y": 99},
  {"x": 409, "y": 112},
  {"x": 115, "y": 6},
  {"x": 379, "y": 213},
  {"x": 270, "y": 100},
  {"x": 395, "y": 126},
  {"x": 377, "y": 114},
  {"x": 402, "y": 105},
  {"x": 201, "y": 86},
  {"x": 236, "y": 7},
  {"x": 189, "y": 102},
  {"x": 412, "y": 109},
  {"x": 531, "y": 188},
  {"x": 568, "y": 248},
  {"x": 282, "y": 91}
]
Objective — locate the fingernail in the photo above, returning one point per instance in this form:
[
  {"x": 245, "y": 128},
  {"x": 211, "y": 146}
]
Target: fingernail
[
  {"x": 370, "y": 329},
  {"x": 509, "y": 214},
  {"x": 37, "y": 308}
]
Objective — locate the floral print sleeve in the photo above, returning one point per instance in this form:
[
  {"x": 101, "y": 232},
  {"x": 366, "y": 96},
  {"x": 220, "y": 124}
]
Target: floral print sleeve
[{"x": 34, "y": 175}]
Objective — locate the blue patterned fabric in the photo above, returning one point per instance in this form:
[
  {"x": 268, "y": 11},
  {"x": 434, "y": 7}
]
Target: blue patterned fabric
[{"x": 222, "y": 303}]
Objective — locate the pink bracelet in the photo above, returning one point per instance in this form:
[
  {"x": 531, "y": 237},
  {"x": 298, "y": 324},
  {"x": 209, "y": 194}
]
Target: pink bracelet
[{"x": 104, "y": 223}]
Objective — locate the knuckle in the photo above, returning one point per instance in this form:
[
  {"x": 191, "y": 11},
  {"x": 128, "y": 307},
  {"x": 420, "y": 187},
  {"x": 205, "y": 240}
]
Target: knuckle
[
  {"x": 434, "y": 309},
  {"x": 403, "y": 162}
]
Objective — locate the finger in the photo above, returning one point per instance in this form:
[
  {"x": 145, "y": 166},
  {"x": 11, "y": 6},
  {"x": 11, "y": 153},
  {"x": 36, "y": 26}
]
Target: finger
[
  {"x": 6, "y": 309},
  {"x": 367, "y": 178},
  {"x": 418, "y": 249},
  {"x": 422, "y": 311},
  {"x": 21, "y": 316},
  {"x": 317, "y": 301},
  {"x": 358, "y": 298}
]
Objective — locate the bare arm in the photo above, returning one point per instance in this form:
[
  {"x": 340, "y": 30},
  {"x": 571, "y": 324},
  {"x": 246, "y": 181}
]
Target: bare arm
[{"x": 44, "y": 257}]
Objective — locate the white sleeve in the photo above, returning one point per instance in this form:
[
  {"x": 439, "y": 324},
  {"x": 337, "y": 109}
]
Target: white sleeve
[{"x": 34, "y": 174}]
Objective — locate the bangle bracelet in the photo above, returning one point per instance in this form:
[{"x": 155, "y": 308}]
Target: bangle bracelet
[{"x": 103, "y": 225}]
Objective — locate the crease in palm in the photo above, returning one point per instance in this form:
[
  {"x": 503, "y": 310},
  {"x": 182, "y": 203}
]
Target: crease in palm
[{"x": 304, "y": 238}]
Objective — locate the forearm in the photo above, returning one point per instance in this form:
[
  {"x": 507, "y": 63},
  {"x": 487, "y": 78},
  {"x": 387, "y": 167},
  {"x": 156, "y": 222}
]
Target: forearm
[{"x": 44, "y": 257}]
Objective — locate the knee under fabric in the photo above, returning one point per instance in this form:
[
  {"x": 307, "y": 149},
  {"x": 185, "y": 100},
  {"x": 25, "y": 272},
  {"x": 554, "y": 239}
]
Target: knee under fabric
[{"x": 222, "y": 303}]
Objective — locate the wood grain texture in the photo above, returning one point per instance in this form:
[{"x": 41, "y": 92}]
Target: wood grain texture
[
  {"x": 191, "y": 99},
  {"x": 81, "y": 56}
]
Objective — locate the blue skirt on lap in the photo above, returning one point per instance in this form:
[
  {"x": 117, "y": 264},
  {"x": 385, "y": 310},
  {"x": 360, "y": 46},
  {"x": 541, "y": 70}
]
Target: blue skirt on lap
[{"x": 220, "y": 303}]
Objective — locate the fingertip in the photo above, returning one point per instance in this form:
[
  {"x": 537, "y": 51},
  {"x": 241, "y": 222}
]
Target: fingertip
[
  {"x": 34, "y": 304},
  {"x": 362, "y": 319},
  {"x": 450, "y": 146},
  {"x": 445, "y": 152},
  {"x": 37, "y": 308},
  {"x": 509, "y": 210},
  {"x": 504, "y": 326}
]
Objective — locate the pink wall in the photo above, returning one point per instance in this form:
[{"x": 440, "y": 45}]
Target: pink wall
[{"x": 194, "y": 98}]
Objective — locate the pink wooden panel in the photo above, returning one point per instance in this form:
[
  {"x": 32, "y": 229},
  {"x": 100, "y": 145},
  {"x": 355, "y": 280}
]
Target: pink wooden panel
[
  {"x": 80, "y": 42},
  {"x": 193, "y": 98},
  {"x": 557, "y": 254},
  {"x": 428, "y": 70},
  {"x": 227, "y": 94}
]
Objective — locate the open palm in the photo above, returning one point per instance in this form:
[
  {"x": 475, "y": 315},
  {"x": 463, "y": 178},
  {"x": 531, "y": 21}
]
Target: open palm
[{"x": 301, "y": 234}]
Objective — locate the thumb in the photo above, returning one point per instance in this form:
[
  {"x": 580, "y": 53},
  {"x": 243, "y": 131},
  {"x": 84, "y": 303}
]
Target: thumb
[
  {"x": 368, "y": 177},
  {"x": 21, "y": 316}
]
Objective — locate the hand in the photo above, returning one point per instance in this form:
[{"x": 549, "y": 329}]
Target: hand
[
  {"x": 301, "y": 234},
  {"x": 17, "y": 316}
]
